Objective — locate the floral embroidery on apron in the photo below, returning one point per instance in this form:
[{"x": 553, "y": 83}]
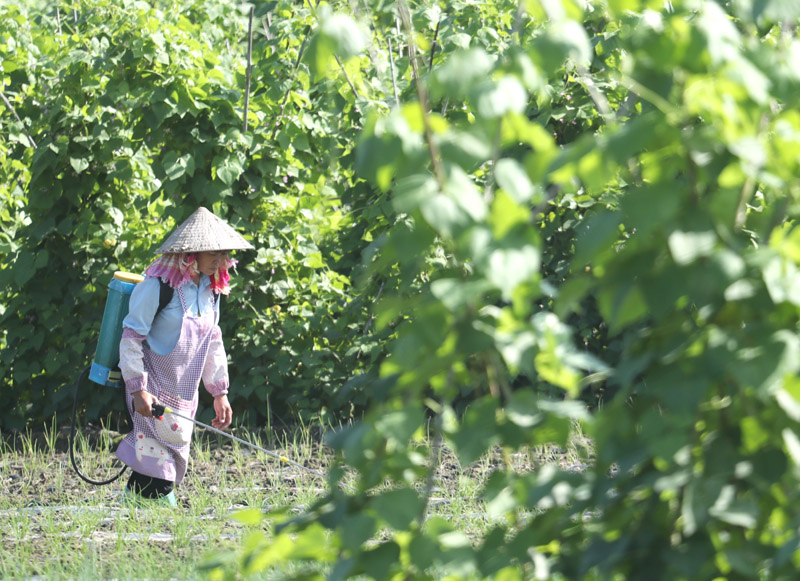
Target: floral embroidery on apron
[{"x": 160, "y": 448}]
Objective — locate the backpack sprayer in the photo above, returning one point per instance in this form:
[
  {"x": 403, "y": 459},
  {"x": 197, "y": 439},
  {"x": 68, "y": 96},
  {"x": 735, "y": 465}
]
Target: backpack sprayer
[{"x": 105, "y": 371}]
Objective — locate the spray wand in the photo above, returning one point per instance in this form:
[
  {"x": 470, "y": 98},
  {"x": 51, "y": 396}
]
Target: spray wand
[{"x": 159, "y": 410}]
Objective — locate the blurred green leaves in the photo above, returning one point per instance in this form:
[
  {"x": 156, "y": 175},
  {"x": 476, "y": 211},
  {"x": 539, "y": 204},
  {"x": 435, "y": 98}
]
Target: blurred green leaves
[{"x": 337, "y": 36}]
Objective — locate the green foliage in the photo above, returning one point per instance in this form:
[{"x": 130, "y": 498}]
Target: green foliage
[
  {"x": 549, "y": 203},
  {"x": 136, "y": 114},
  {"x": 589, "y": 197}
]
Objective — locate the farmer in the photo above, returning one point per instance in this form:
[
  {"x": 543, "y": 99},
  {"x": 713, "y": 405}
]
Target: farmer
[{"x": 171, "y": 340}]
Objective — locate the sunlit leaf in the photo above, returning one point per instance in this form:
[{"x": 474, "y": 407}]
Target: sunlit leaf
[
  {"x": 337, "y": 35},
  {"x": 686, "y": 247},
  {"x": 506, "y": 214},
  {"x": 79, "y": 164},
  {"x": 457, "y": 294},
  {"x": 461, "y": 71},
  {"x": 497, "y": 98},
  {"x": 523, "y": 410},
  {"x": 509, "y": 267},
  {"x": 562, "y": 40},
  {"x": 249, "y": 516},
  {"x": 512, "y": 177}
]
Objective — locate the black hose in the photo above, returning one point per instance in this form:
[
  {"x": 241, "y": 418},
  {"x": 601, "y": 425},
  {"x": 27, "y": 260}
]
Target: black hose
[{"x": 72, "y": 438}]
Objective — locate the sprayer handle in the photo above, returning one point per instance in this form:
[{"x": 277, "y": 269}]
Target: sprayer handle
[{"x": 158, "y": 410}]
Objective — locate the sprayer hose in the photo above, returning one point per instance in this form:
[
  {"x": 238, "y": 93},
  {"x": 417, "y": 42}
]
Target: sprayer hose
[{"x": 72, "y": 438}]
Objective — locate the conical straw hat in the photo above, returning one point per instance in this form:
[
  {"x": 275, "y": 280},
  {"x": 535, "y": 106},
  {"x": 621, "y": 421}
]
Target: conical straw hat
[{"x": 203, "y": 231}]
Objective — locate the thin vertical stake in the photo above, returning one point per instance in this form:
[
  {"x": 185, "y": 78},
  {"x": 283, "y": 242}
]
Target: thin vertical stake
[
  {"x": 434, "y": 44},
  {"x": 394, "y": 77},
  {"x": 249, "y": 66},
  {"x": 267, "y": 25}
]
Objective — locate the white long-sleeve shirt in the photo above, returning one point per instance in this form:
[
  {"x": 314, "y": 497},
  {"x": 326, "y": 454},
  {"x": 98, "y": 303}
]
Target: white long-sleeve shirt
[{"x": 142, "y": 329}]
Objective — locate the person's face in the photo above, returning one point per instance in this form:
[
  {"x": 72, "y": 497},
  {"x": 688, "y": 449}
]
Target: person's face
[{"x": 209, "y": 262}]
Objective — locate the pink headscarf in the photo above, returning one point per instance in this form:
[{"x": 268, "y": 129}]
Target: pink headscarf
[{"x": 178, "y": 269}]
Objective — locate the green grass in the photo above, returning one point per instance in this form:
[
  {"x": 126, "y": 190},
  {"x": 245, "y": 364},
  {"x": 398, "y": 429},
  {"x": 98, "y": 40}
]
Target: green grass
[{"x": 55, "y": 526}]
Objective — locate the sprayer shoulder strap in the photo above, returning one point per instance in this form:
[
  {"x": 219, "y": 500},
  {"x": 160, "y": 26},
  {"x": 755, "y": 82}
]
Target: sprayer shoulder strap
[{"x": 165, "y": 293}]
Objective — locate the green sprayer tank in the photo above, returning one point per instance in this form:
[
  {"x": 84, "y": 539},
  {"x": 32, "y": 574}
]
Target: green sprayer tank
[{"x": 105, "y": 366}]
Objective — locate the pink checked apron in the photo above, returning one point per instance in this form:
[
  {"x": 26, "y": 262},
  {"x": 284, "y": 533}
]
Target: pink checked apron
[{"x": 160, "y": 448}]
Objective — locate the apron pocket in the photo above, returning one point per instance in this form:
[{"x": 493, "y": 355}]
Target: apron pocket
[
  {"x": 171, "y": 428},
  {"x": 174, "y": 430}
]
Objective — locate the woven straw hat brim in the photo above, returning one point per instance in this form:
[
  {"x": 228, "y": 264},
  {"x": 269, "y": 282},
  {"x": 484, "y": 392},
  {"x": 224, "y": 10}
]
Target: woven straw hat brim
[{"x": 201, "y": 232}]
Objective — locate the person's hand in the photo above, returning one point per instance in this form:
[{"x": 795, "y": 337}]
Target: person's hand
[
  {"x": 143, "y": 403},
  {"x": 224, "y": 412}
]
